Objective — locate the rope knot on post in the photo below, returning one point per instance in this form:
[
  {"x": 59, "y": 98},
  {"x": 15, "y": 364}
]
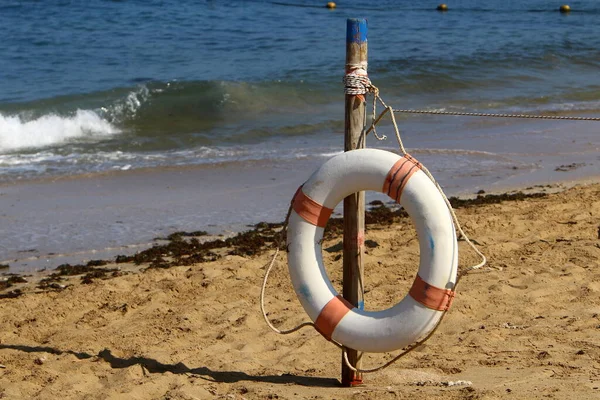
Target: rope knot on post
[{"x": 357, "y": 83}]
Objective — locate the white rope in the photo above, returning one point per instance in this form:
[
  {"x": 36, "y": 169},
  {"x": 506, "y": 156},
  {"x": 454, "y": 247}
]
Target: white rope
[
  {"x": 262, "y": 302},
  {"x": 264, "y": 285},
  {"x": 356, "y": 84},
  {"x": 452, "y": 213},
  {"x": 361, "y": 65}
]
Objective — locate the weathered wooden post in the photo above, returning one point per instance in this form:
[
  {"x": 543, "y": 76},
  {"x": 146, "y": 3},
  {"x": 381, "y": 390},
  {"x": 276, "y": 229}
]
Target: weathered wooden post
[{"x": 354, "y": 205}]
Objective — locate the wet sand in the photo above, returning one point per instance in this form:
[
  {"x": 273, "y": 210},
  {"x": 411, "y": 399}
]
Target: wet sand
[
  {"x": 49, "y": 222},
  {"x": 526, "y": 326},
  {"x": 73, "y": 220}
]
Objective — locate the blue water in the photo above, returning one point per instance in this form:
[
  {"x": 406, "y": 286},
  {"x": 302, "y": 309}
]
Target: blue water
[
  {"x": 108, "y": 85},
  {"x": 248, "y": 95}
]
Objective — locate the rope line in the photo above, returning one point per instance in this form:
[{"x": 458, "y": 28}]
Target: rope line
[
  {"x": 439, "y": 188},
  {"x": 268, "y": 271},
  {"x": 262, "y": 302},
  {"x": 477, "y": 114}
]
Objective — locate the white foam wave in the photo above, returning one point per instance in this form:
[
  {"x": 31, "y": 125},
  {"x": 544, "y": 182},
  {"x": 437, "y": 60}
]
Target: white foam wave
[
  {"x": 16, "y": 132},
  {"x": 329, "y": 154},
  {"x": 465, "y": 152}
]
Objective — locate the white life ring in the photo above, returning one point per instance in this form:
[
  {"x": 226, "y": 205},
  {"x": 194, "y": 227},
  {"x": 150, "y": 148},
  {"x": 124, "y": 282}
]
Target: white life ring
[{"x": 432, "y": 292}]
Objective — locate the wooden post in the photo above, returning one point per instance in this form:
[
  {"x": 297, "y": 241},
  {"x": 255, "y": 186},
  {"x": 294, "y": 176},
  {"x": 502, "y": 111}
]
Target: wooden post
[{"x": 354, "y": 205}]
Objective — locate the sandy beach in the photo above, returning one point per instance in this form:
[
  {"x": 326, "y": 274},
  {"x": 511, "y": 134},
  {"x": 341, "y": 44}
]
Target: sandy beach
[
  {"x": 526, "y": 326},
  {"x": 142, "y": 144}
]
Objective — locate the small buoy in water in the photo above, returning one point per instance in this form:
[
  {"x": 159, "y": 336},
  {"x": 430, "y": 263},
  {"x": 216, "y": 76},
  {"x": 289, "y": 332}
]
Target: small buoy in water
[
  {"x": 565, "y": 8},
  {"x": 331, "y": 5},
  {"x": 442, "y": 7}
]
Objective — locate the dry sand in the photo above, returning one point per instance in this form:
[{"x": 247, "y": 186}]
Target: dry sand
[{"x": 526, "y": 326}]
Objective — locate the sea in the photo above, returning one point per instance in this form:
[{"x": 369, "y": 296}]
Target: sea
[{"x": 113, "y": 88}]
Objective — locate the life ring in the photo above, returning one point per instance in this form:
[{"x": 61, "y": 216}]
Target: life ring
[{"x": 432, "y": 292}]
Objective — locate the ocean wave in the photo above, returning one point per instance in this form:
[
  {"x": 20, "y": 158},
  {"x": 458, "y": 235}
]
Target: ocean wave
[
  {"x": 17, "y": 132},
  {"x": 124, "y": 108},
  {"x": 172, "y": 116},
  {"x": 156, "y": 107}
]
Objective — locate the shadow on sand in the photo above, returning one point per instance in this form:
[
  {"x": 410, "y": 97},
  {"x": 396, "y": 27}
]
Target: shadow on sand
[{"x": 154, "y": 366}]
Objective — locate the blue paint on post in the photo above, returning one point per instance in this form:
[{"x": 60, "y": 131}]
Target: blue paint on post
[
  {"x": 356, "y": 30},
  {"x": 361, "y": 305}
]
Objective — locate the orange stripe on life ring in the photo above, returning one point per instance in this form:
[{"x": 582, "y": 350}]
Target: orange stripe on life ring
[
  {"x": 311, "y": 211},
  {"x": 398, "y": 176},
  {"x": 431, "y": 296},
  {"x": 331, "y": 315}
]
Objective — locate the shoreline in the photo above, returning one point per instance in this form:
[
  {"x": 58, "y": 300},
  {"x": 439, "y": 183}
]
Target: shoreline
[
  {"x": 251, "y": 241},
  {"x": 74, "y": 219}
]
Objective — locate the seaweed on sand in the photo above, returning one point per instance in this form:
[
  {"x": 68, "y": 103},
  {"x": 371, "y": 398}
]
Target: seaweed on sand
[
  {"x": 90, "y": 270},
  {"x": 493, "y": 199},
  {"x": 182, "y": 251}
]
